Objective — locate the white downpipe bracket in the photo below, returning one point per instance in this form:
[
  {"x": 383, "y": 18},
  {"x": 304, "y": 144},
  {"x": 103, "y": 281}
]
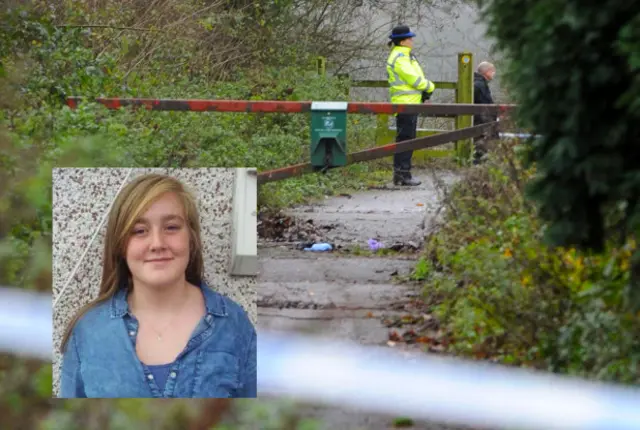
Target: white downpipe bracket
[{"x": 244, "y": 229}]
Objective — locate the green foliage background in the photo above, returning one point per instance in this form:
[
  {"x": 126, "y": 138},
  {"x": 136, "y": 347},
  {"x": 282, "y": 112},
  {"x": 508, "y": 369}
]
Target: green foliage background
[
  {"x": 49, "y": 50},
  {"x": 537, "y": 263},
  {"x": 502, "y": 293},
  {"x": 575, "y": 70}
]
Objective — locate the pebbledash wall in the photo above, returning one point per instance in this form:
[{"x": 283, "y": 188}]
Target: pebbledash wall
[{"x": 81, "y": 199}]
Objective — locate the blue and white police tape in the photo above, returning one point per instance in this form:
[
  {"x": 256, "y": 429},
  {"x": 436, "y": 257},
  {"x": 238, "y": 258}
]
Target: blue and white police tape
[
  {"x": 26, "y": 326},
  {"x": 440, "y": 389},
  {"x": 519, "y": 136},
  {"x": 383, "y": 380},
  {"x": 504, "y": 135}
]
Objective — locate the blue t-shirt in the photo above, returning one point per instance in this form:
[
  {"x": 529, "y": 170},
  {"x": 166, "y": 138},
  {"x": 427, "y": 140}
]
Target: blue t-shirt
[
  {"x": 218, "y": 361},
  {"x": 160, "y": 373}
]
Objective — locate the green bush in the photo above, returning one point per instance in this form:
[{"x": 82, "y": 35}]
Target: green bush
[
  {"x": 507, "y": 296},
  {"x": 574, "y": 69},
  {"x": 40, "y": 64}
]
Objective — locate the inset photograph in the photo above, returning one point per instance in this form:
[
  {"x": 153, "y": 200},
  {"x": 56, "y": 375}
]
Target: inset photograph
[{"x": 154, "y": 276}]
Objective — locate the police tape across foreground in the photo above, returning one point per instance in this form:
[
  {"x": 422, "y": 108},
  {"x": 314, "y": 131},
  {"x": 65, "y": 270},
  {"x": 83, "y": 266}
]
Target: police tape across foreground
[{"x": 379, "y": 380}]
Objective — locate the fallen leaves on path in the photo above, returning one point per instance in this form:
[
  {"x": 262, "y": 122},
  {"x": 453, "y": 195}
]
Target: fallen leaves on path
[
  {"x": 279, "y": 227},
  {"x": 417, "y": 329}
]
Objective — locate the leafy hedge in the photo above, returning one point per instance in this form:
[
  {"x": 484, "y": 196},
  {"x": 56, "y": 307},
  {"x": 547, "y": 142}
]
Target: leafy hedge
[
  {"x": 505, "y": 295},
  {"x": 575, "y": 71},
  {"x": 40, "y": 64}
]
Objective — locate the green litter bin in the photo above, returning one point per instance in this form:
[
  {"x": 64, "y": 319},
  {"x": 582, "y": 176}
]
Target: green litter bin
[{"x": 328, "y": 134}]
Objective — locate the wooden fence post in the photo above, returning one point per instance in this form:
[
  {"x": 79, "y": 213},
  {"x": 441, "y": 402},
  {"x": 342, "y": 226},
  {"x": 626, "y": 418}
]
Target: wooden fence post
[
  {"x": 464, "y": 94},
  {"x": 321, "y": 66}
]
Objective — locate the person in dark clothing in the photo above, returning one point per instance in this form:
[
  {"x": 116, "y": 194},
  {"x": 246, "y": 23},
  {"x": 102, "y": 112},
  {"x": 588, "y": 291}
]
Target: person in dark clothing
[
  {"x": 482, "y": 95},
  {"x": 406, "y": 129}
]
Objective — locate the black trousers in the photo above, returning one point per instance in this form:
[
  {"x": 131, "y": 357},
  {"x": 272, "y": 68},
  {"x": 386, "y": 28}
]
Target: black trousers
[
  {"x": 480, "y": 143},
  {"x": 406, "y": 125}
]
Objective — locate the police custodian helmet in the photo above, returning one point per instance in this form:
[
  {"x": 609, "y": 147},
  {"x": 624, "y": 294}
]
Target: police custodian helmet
[{"x": 401, "y": 32}]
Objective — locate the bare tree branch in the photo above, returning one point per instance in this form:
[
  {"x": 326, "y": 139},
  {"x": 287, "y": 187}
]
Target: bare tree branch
[{"x": 112, "y": 27}]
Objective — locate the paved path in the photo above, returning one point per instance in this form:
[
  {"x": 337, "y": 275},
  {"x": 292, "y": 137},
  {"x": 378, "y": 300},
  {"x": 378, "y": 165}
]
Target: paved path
[{"x": 348, "y": 296}]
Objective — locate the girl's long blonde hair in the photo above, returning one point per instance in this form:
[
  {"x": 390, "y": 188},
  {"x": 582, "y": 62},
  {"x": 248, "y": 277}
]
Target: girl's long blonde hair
[{"x": 129, "y": 205}]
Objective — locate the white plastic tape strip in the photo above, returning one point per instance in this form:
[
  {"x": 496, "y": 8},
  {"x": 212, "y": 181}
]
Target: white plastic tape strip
[
  {"x": 382, "y": 380},
  {"x": 26, "y": 325},
  {"x": 437, "y": 388},
  {"x": 519, "y": 136}
]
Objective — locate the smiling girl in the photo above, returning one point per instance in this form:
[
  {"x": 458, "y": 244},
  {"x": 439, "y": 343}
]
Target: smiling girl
[{"x": 156, "y": 329}]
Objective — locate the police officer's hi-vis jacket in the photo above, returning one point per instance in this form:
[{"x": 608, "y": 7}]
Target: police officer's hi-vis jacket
[{"x": 406, "y": 78}]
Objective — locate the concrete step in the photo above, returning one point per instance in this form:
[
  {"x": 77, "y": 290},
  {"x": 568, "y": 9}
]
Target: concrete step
[
  {"x": 363, "y": 270},
  {"x": 352, "y": 326},
  {"x": 322, "y": 295}
]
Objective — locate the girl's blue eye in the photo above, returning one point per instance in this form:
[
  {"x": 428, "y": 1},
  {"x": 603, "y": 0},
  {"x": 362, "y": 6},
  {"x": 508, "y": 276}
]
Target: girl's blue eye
[
  {"x": 174, "y": 227},
  {"x": 138, "y": 231}
]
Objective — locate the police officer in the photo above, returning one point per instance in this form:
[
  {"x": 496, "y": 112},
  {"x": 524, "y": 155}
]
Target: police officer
[{"x": 407, "y": 85}]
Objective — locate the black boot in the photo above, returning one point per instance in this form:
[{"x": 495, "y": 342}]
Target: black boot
[
  {"x": 410, "y": 182},
  {"x": 397, "y": 178},
  {"x": 405, "y": 180}
]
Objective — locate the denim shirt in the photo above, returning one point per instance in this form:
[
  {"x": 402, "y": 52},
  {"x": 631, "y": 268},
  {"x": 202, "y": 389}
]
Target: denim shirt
[{"x": 219, "y": 360}]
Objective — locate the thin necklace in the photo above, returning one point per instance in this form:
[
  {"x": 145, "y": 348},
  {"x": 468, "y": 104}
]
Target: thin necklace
[{"x": 159, "y": 333}]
